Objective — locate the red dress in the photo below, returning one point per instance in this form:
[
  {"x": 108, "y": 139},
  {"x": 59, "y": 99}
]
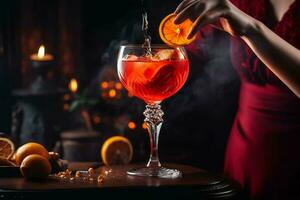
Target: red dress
[{"x": 263, "y": 151}]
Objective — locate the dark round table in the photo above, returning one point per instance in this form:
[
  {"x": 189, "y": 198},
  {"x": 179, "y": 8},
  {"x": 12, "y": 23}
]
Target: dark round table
[{"x": 194, "y": 184}]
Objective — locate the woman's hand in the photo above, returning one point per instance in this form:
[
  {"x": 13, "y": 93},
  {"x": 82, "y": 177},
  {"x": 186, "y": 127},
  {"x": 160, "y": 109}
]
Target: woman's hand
[
  {"x": 221, "y": 13},
  {"x": 279, "y": 56}
]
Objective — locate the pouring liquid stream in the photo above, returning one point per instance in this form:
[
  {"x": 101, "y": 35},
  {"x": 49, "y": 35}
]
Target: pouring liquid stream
[{"x": 145, "y": 29}]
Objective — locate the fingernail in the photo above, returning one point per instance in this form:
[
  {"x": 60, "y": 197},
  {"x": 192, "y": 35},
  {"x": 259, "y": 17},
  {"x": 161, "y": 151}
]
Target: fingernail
[
  {"x": 177, "y": 20},
  {"x": 190, "y": 35}
]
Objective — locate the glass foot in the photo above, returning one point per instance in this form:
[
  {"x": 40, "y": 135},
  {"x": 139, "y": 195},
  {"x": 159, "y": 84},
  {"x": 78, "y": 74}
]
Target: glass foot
[{"x": 160, "y": 172}]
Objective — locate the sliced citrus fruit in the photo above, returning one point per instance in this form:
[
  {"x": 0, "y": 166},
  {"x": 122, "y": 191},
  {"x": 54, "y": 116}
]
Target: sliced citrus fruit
[
  {"x": 116, "y": 150},
  {"x": 6, "y": 162},
  {"x": 35, "y": 167},
  {"x": 7, "y": 148},
  {"x": 28, "y": 149},
  {"x": 173, "y": 34}
]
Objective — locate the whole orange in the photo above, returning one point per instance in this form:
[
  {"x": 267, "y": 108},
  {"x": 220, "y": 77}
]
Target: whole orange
[
  {"x": 35, "y": 167},
  {"x": 28, "y": 149}
]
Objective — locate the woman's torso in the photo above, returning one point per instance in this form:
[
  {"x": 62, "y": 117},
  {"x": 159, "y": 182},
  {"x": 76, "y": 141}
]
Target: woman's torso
[
  {"x": 266, "y": 133},
  {"x": 250, "y": 68}
]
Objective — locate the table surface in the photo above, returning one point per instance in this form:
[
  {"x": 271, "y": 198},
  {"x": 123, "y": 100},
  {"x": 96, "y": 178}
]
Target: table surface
[{"x": 193, "y": 179}]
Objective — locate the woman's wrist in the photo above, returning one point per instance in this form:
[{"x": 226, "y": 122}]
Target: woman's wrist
[{"x": 241, "y": 24}]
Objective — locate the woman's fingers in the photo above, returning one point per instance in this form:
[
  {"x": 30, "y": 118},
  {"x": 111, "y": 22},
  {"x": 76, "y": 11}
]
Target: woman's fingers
[
  {"x": 205, "y": 18},
  {"x": 196, "y": 26},
  {"x": 182, "y": 5},
  {"x": 189, "y": 11},
  {"x": 217, "y": 24},
  {"x": 201, "y": 12}
]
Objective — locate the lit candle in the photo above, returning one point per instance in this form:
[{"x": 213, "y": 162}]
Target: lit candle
[
  {"x": 42, "y": 65},
  {"x": 41, "y": 55}
]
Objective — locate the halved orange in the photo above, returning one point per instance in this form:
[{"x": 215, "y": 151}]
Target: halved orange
[
  {"x": 6, "y": 162},
  {"x": 173, "y": 34},
  {"x": 116, "y": 150},
  {"x": 7, "y": 148}
]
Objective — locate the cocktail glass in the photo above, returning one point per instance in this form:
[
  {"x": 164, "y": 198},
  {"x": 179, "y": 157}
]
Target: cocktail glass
[{"x": 153, "y": 76}]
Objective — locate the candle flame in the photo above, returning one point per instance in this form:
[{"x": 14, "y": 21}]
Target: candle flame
[
  {"x": 73, "y": 85},
  {"x": 41, "y": 51}
]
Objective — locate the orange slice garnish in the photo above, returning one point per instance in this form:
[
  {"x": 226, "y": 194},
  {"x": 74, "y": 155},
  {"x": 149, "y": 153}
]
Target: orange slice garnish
[{"x": 173, "y": 34}]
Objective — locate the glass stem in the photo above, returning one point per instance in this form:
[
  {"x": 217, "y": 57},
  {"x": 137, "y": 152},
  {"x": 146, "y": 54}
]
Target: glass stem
[{"x": 153, "y": 118}]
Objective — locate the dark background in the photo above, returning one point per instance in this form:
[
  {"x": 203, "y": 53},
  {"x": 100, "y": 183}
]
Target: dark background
[{"x": 84, "y": 36}]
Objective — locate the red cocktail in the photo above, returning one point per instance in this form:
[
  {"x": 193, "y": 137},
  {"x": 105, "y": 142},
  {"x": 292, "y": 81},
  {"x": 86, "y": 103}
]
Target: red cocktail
[
  {"x": 151, "y": 79},
  {"x": 153, "y": 75}
]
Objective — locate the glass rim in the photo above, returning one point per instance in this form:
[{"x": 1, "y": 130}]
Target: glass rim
[{"x": 165, "y": 46}]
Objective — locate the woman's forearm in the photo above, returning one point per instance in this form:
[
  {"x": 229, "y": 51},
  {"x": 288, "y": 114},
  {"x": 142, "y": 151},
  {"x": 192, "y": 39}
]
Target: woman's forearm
[{"x": 278, "y": 55}]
